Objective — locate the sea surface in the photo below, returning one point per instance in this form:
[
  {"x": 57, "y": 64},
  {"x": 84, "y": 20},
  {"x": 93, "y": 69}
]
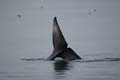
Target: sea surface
[{"x": 40, "y": 69}]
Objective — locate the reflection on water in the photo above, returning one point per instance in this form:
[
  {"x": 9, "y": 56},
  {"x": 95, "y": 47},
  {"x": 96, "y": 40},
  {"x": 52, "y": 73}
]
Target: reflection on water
[
  {"x": 60, "y": 65},
  {"x": 60, "y": 68}
]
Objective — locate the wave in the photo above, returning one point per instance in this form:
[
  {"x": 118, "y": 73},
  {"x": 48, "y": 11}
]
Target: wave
[
  {"x": 82, "y": 60},
  {"x": 99, "y": 60},
  {"x": 33, "y": 59}
]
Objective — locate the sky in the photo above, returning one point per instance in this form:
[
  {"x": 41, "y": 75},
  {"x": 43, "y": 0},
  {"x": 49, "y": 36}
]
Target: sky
[{"x": 26, "y": 26}]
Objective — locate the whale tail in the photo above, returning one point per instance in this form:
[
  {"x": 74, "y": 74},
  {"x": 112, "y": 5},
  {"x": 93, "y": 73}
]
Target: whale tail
[{"x": 60, "y": 45}]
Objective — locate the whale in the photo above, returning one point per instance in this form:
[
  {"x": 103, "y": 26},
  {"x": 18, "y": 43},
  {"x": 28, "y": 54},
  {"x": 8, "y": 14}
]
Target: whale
[{"x": 60, "y": 45}]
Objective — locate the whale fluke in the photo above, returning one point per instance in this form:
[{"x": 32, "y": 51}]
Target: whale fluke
[
  {"x": 60, "y": 45},
  {"x": 59, "y": 41}
]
